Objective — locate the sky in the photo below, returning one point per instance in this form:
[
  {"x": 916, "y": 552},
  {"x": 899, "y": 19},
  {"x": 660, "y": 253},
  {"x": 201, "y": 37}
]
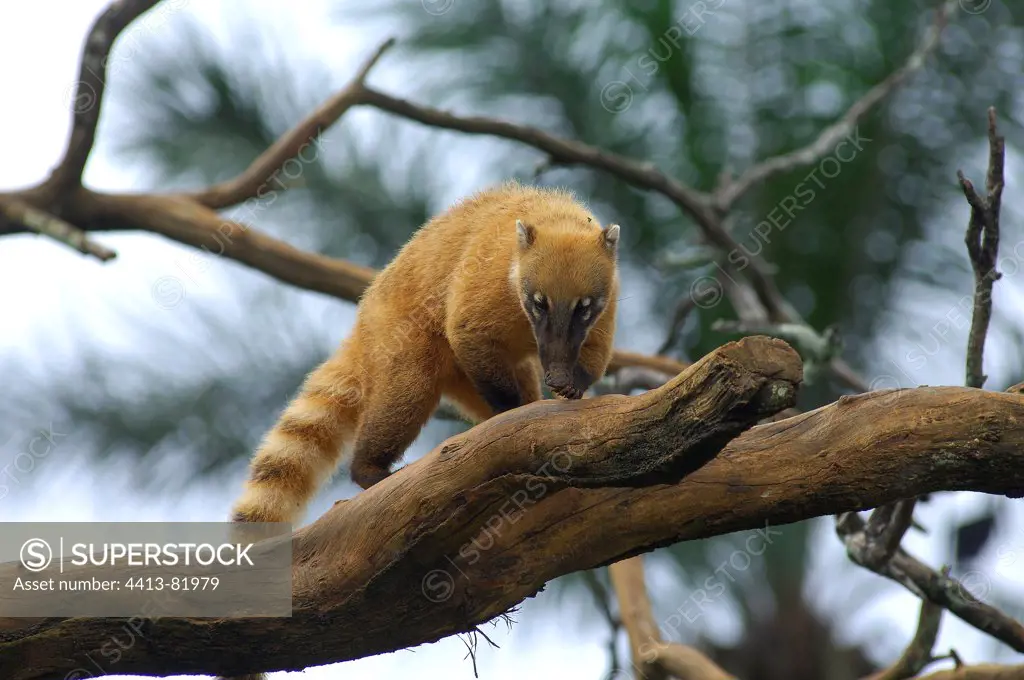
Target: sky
[{"x": 51, "y": 289}]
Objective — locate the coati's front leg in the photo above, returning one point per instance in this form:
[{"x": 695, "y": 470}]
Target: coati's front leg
[{"x": 501, "y": 384}]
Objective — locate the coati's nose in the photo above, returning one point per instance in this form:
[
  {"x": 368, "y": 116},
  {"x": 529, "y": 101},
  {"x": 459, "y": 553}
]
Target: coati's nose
[{"x": 557, "y": 377}]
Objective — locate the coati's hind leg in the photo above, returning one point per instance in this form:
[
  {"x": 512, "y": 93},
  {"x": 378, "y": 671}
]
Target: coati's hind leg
[{"x": 401, "y": 401}]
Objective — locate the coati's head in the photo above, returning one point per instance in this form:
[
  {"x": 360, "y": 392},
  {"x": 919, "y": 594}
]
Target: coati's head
[{"x": 564, "y": 279}]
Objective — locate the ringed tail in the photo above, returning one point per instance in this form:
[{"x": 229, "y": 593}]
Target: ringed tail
[{"x": 302, "y": 450}]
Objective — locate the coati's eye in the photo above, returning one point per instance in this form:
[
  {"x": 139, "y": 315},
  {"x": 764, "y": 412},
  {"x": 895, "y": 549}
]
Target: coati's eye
[
  {"x": 586, "y": 308},
  {"x": 540, "y": 301}
]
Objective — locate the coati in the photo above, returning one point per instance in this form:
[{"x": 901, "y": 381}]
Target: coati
[{"x": 510, "y": 285}]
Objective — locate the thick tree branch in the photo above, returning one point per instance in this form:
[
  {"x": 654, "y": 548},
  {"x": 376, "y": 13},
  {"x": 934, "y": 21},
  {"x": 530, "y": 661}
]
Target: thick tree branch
[
  {"x": 88, "y": 97},
  {"x": 526, "y": 456},
  {"x": 483, "y": 521}
]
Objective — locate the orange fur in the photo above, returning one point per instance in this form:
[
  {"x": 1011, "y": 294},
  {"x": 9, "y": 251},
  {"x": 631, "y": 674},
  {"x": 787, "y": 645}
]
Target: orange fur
[{"x": 444, "y": 318}]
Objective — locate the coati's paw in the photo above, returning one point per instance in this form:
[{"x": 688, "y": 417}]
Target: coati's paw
[
  {"x": 368, "y": 475},
  {"x": 568, "y": 392},
  {"x": 559, "y": 381}
]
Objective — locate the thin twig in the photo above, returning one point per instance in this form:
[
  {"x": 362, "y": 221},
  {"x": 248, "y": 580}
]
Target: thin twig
[
  {"x": 560, "y": 151},
  {"x": 981, "y": 671},
  {"x": 902, "y": 519},
  {"x": 602, "y": 600},
  {"x": 731, "y": 190},
  {"x": 982, "y": 241},
  {"x": 679, "y": 316},
  {"x": 88, "y": 95},
  {"x": 919, "y": 652},
  {"x": 653, "y": 658},
  {"x": 20, "y": 212},
  {"x": 262, "y": 170}
]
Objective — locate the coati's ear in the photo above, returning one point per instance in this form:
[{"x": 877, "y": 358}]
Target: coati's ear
[
  {"x": 526, "y": 235},
  {"x": 610, "y": 238}
]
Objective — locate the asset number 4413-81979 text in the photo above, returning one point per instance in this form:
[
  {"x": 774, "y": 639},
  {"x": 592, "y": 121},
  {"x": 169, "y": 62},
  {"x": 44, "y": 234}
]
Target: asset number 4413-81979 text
[{"x": 173, "y": 583}]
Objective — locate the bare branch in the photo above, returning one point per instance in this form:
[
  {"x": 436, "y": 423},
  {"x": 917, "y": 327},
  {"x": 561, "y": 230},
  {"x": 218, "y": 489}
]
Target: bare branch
[
  {"x": 902, "y": 519},
  {"x": 188, "y": 222},
  {"x": 919, "y": 652},
  {"x": 652, "y": 657},
  {"x": 602, "y": 600},
  {"x": 982, "y": 241},
  {"x": 560, "y": 151},
  {"x": 89, "y": 89},
  {"x": 982, "y": 671},
  {"x": 732, "y": 189},
  {"x": 569, "y": 152},
  {"x": 679, "y": 316},
  {"x": 182, "y": 219},
  {"x": 665, "y": 365},
  {"x": 256, "y": 177},
  {"x": 19, "y": 212},
  {"x": 639, "y": 378},
  {"x": 919, "y": 579},
  {"x": 877, "y": 545}
]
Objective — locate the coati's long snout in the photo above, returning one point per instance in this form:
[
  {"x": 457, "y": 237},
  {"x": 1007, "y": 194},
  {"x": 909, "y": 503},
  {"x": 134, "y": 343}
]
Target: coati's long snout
[{"x": 558, "y": 344}]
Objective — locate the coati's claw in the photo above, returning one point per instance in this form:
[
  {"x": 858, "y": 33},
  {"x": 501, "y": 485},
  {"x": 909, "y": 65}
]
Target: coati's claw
[{"x": 568, "y": 392}]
